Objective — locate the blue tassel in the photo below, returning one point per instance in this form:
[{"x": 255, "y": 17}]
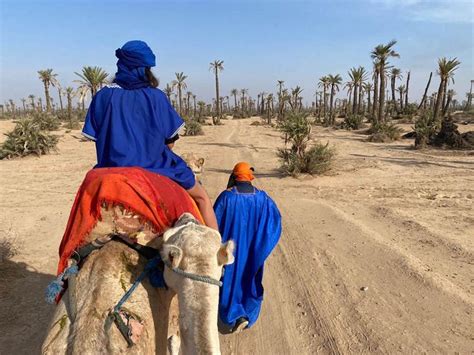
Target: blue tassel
[{"x": 56, "y": 287}]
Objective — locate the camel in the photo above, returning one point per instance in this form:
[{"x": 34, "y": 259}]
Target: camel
[
  {"x": 195, "y": 163},
  {"x": 81, "y": 324}
]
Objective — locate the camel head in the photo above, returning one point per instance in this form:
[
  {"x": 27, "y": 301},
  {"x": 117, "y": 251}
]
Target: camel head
[
  {"x": 194, "y": 162},
  {"x": 196, "y": 249}
]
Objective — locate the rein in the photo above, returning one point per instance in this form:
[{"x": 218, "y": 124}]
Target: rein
[{"x": 194, "y": 277}]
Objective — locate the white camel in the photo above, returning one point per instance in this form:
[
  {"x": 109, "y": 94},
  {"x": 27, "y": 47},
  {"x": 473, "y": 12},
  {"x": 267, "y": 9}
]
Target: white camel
[{"x": 81, "y": 324}]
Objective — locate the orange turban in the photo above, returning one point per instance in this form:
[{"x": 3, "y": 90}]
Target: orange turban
[{"x": 243, "y": 172}]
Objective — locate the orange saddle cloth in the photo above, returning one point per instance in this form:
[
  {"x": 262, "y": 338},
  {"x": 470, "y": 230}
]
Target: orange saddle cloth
[{"x": 155, "y": 198}]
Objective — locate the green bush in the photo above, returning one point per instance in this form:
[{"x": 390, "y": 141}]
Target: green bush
[
  {"x": 27, "y": 138},
  {"x": 193, "y": 128},
  {"x": 316, "y": 160},
  {"x": 297, "y": 159},
  {"x": 384, "y": 133},
  {"x": 425, "y": 130},
  {"x": 353, "y": 122},
  {"x": 46, "y": 121}
]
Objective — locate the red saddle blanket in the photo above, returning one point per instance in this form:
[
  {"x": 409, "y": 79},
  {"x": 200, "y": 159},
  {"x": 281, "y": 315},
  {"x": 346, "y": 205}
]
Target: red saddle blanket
[{"x": 157, "y": 199}]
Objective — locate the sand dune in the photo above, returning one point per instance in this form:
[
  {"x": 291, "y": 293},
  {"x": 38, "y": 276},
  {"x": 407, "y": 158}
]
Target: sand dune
[{"x": 377, "y": 256}]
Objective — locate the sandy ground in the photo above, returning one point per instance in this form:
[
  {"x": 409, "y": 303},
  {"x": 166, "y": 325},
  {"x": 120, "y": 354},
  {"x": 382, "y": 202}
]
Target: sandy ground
[{"x": 396, "y": 221}]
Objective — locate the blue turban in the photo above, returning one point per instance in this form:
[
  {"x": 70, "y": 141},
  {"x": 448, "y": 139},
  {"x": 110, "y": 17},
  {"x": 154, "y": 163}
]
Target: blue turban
[{"x": 133, "y": 57}]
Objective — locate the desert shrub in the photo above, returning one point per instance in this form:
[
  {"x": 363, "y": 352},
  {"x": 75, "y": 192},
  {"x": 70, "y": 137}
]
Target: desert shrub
[
  {"x": 27, "y": 138},
  {"x": 193, "y": 128},
  {"x": 46, "y": 121},
  {"x": 74, "y": 124},
  {"x": 410, "y": 109},
  {"x": 8, "y": 249},
  {"x": 384, "y": 132},
  {"x": 425, "y": 129},
  {"x": 256, "y": 123},
  {"x": 353, "y": 122},
  {"x": 297, "y": 158}
]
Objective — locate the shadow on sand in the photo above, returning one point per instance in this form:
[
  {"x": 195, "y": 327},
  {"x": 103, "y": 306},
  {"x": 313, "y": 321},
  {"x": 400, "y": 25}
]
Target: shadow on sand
[{"x": 24, "y": 314}]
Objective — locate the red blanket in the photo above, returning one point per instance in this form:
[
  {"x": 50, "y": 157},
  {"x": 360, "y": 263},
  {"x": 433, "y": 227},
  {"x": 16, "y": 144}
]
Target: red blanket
[{"x": 155, "y": 198}]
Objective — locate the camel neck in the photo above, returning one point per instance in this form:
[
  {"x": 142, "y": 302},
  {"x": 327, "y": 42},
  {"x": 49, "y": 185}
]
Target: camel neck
[{"x": 198, "y": 303}]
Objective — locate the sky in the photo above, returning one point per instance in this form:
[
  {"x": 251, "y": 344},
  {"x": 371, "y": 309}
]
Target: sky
[{"x": 260, "y": 41}]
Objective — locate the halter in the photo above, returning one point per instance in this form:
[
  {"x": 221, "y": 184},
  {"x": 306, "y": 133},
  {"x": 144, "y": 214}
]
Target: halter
[{"x": 194, "y": 277}]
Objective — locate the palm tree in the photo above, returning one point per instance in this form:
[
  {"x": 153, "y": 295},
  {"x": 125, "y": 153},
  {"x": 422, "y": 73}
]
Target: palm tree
[
  {"x": 47, "y": 77},
  {"x": 406, "y": 89},
  {"x": 423, "y": 100},
  {"x": 334, "y": 81},
  {"x": 401, "y": 89},
  {"x": 381, "y": 54},
  {"x": 181, "y": 85},
  {"x": 234, "y": 93},
  {"x": 368, "y": 88},
  {"x": 69, "y": 94},
  {"x": 83, "y": 91},
  {"x": 394, "y": 75},
  {"x": 168, "y": 91},
  {"x": 450, "y": 94},
  {"x": 296, "y": 92},
  {"x": 194, "y": 111},
  {"x": 446, "y": 70},
  {"x": 32, "y": 98},
  {"x": 40, "y": 104},
  {"x": 269, "y": 100},
  {"x": 189, "y": 94},
  {"x": 358, "y": 76},
  {"x": 324, "y": 83},
  {"x": 93, "y": 78},
  {"x": 375, "y": 77},
  {"x": 23, "y": 101},
  {"x": 216, "y": 66},
  {"x": 243, "y": 92}
]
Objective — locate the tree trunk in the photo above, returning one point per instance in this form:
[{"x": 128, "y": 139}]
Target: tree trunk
[
  {"x": 376, "y": 96},
  {"x": 180, "y": 101},
  {"x": 439, "y": 100},
  {"x": 423, "y": 100},
  {"x": 331, "y": 102},
  {"x": 361, "y": 99},
  {"x": 401, "y": 100},
  {"x": 218, "y": 102},
  {"x": 394, "y": 100},
  {"x": 325, "y": 99},
  {"x": 445, "y": 92},
  {"x": 60, "y": 99},
  {"x": 381, "y": 116},
  {"x": 446, "y": 107},
  {"x": 354, "y": 101},
  {"x": 46, "y": 94},
  {"x": 406, "y": 91},
  {"x": 369, "y": 106}
]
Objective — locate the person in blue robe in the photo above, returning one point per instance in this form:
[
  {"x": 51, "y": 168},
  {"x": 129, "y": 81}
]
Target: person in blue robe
[
  {"x": 251, "y": 218},
  {"x": 133, "y": 124}
]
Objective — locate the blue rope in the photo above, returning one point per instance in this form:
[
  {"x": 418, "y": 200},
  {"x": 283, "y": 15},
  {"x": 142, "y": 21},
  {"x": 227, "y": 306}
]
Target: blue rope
[{"x": 149, "y": 267}]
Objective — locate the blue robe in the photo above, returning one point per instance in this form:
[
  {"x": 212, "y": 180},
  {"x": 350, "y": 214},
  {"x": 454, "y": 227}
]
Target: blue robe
[
  {"x": 253, "y": 221},
  {"x": 130, "y": 121}
]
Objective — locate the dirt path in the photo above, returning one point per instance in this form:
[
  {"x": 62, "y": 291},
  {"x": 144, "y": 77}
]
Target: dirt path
[{"x": 388, "y": 218}]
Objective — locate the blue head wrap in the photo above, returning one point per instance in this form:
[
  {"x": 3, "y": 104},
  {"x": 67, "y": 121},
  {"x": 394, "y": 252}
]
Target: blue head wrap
[{"x": 133, "y": 57}]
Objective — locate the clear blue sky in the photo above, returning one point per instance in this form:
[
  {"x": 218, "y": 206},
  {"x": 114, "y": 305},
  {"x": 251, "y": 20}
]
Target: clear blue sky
[{"x": 259, "y": 41}]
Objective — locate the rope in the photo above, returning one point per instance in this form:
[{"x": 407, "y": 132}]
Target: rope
[
  {"x": 152, "y": 264},
  {"x": 195, "y": 277}
]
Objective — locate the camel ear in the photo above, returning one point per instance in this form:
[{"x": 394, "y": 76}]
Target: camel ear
[
  {"x": 171, "y": 254},
  {"x": 225, "y": 255},
  {"x": 201, "y": 161}
]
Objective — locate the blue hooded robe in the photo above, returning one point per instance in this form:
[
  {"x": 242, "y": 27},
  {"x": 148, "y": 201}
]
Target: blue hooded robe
[
  {"x": 253, "y": 221},
  {"x": 131, "y": 121}
]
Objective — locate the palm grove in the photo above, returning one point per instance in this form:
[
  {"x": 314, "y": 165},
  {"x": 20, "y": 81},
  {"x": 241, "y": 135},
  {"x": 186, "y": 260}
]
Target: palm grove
[{"x": 378, "y": 96}]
